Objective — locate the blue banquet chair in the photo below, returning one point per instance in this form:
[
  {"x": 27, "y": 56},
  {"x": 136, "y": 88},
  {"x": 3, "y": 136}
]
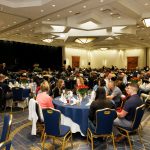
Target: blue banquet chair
[
  {"x": 18, "y": 97},
  {"x": 6, "y": 127},
  {"x": 5, "y": 145},
  {"x": 54, "y": 129},
  {"x": 136, "y": 125},
  {"x": 104, "y": 126}
]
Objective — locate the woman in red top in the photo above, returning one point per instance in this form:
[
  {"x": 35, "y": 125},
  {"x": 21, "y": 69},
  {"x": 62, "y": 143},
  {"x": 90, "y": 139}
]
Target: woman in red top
[{"x": 44, "y": 100}]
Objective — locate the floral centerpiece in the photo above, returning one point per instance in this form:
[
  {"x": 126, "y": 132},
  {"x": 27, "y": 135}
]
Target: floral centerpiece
[
  {"x": 24, "y": 80},
  {"x": 134, "y": 80},
  {"x": 82, "y": 90}
]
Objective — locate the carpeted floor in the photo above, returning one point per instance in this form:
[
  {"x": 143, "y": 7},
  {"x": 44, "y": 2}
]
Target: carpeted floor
[{"x": 23, "y": 140}]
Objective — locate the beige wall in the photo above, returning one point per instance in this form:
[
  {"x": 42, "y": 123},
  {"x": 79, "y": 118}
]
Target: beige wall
[
  {"x": 148, "y": 57},
  {"x": 99, "y": 58}
]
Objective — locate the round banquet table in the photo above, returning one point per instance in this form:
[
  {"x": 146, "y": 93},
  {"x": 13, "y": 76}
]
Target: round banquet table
[{"x": 75, "y": 116}]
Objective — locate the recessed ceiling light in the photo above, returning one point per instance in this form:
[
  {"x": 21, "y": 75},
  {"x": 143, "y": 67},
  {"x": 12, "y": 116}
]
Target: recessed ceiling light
[
  {"x": 48, "y": 19},
  {"x": 42, "y": 10},
  {"x": 53, "y": 5},
  {"x": 47, "y": 40},
  {"x": 58, "y": 28},
  {"x": 84, "y": 6},
  {"x": 146, "y": 4},
  {"x": 119, "y": 17},
  {"x": 101, "y": 9},
  {"x": 111, "y": 13},
  {"x": 62, "y": 35},
  {"x": 101, "y": 1},
  {"x": 70, "y": 11}
]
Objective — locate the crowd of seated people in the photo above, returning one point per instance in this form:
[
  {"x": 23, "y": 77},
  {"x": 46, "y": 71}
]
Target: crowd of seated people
[{"x": 108, "y": 84}]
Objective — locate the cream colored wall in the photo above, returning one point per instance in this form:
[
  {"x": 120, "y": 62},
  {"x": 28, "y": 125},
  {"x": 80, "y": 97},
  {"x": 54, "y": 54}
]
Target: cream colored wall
[
  {"x": 148, "y": 57},
  {"x": 107, "y": 58},
  {"x": 69, "y": 52}
]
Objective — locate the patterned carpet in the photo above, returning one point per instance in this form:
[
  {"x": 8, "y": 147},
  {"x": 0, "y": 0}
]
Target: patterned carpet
[{"x": 23, "y": 140}]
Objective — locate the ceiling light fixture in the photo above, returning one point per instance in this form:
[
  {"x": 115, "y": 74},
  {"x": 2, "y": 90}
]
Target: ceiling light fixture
[
  {"x": 84, "y": 40},
  {"x": 47, "y": 40},
  {"x": 146, "y": 22},
  {"x": 103, "y": 49}
]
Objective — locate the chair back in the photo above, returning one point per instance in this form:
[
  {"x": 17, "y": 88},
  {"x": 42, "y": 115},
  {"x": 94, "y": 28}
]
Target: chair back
[
  {"x": 138, "y": 116},
  {"x": 17, "y": 93},
  {"x": 5, "y": 145},
  {"x": 26, "y": 93},
  {"x": 39, "y": 113},
  {"x": 52, "y": 121},
  {"x": 104, "y": 120},
  {"x": 1, "y": 96},
  {"x": 6, "y": 127}
]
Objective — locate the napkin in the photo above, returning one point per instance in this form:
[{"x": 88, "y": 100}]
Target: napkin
[
  {"x": 93, "y": 94},
  {"x": 63, "y": 99},
  {"x": 73, "y": 101},
  {"x": 89, "y": 103}
]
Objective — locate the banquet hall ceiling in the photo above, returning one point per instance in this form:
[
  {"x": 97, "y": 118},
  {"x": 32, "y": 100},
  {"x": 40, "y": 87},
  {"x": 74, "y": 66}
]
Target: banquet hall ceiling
[{"x": 112, "y": 23}]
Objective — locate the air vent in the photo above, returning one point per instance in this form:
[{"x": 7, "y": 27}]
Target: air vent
[{"x": 77, "y": 13}]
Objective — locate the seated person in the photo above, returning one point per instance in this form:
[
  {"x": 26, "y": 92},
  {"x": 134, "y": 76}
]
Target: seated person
[
  {"x": 58, "y": 89},
  {"x": 126, "y": 116},
  {"x": 44, "y": 100},
  {"x": 99, "y": 103},
  {"x": 6, "y": 92},
  {"x": 100, "y": 83},
  {"x": 114, "y": 93},
  {"x": 79, "y": 81}
]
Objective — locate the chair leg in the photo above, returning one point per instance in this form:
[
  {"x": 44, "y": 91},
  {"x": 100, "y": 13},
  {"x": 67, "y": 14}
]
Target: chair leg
[
  {"x": 129, "y": 140},
  {"x": 43, "y": 143},
  {"x": 140, "y": 136},
  {"x": 42, "y": 136},
  {"x": 90, "y": 137},
  {"x": 71, "y": 140},
  {"x": 53, "y": 140},
  {"x": 92, "y": 143},
  {"x": 12, "y": 105},
  {"x": 113, "y": 139},
  {"x": 63, "y": 144}
]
